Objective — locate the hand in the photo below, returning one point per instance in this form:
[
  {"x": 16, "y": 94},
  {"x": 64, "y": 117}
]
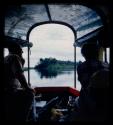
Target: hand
[
  {"x": 55, "y": 114},
  {"x": 31, "y": 89}
]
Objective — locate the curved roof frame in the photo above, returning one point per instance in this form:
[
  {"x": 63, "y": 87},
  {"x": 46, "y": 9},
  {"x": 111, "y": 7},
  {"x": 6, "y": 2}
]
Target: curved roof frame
[{"x": 51, "y": 22}]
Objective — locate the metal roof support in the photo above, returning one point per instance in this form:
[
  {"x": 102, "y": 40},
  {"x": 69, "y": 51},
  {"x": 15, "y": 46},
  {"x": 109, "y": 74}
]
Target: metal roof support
[
  {"x": 75, "y": 66},
  {"x": 28, "y": 66},
  {"x": 105, "y": 55},
  {"x": 48, "y": 12}
]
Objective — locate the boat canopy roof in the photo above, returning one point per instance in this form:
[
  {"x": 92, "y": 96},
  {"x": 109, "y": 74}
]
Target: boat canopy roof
[{"x": 20, "y": 18}]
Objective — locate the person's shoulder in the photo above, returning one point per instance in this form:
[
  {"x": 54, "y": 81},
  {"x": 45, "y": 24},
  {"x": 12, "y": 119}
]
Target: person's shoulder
[
  {"x": 12, "y": 57},
  {"x": 81, "y": 64}
]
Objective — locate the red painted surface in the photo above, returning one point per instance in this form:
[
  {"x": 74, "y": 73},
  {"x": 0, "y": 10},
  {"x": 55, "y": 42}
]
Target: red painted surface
[{"x": 68, "y": 90}]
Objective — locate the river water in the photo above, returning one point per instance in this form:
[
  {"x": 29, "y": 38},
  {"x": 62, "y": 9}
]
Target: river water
[{"x": 64, "y": 79}]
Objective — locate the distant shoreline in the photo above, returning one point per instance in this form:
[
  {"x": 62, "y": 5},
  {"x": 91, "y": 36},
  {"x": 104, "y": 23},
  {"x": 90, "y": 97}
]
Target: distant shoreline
[
  {"x": 26, "y": 68},
  {"x": 52, "y": 65}
]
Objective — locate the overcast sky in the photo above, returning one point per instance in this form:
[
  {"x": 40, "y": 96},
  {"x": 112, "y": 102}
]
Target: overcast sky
[{"x": 52, "y": 40}]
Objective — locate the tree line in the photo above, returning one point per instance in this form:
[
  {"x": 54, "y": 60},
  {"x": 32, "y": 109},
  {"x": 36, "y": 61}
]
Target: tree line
[{"x": 54, "y": 65}]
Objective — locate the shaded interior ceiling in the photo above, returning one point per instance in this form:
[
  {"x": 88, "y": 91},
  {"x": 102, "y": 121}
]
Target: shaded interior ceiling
[{"x": 19, "y": 19}]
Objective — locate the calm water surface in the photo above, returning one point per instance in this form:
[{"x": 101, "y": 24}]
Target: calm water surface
[{"x": 64, "y": 79}]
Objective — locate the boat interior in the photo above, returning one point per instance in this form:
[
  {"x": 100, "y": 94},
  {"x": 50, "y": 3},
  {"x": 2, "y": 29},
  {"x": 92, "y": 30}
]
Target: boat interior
[{"x": 87, "y": 20}]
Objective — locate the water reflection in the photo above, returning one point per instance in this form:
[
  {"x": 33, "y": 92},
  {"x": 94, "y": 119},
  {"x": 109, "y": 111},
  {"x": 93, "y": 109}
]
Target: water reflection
[
  {"x": 66, "y": 78},
  {"x": 49, "y": 74}
]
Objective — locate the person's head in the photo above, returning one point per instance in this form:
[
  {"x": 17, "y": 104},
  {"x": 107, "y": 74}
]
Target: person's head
[
  {"x": 90, "y": 51},
  {"x": 15, "y": 48}
]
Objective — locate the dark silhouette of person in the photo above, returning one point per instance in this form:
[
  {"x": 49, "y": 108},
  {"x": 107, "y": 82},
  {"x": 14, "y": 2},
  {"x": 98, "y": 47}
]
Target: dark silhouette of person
[
  {"x": 18, "y": 94},
  {"x": 86, "y": 69},
  {"x": 91, "y": 64},
  {"x": 86, "y": 103}
]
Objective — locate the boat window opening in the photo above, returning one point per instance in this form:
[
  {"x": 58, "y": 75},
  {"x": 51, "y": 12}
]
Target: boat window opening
[
  {"x": 104, "y": 55},
  {"x": 52, "y": 42},
  {"x": 107, "y": 55},
  {"x": 6, "y": 52}
]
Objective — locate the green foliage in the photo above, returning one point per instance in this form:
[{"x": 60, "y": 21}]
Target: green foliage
[{"x": 53, "y": 65}]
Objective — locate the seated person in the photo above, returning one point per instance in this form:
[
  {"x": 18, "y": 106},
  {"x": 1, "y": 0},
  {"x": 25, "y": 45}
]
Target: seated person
[
  {"x": 91, "y": 64},
  {"x": 86, "y": 103},
  {"x": 18, "y": 94}
]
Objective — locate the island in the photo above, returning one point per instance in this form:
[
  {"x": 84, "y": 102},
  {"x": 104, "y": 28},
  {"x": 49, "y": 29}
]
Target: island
[
  {"x": 51, "y": 67},
  {"x": 54, "y": 65}
]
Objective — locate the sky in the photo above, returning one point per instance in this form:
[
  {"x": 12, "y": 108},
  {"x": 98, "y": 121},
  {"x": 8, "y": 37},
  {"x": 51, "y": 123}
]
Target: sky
[{"x": 52, "y": 40}]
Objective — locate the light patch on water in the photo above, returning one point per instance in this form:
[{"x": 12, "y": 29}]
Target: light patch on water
[{"x": 65, "y": 79}]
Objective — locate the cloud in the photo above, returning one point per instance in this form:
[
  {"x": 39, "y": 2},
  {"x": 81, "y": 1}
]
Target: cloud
[{"x": 53, "y": 40}]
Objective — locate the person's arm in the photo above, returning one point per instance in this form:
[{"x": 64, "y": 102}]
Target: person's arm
[
  {"x": 22, "y": 80},
  {"x": 18, "y": 71},
  {"x": 79, "y": 71},
  {"x": 82, "y": 77}
]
